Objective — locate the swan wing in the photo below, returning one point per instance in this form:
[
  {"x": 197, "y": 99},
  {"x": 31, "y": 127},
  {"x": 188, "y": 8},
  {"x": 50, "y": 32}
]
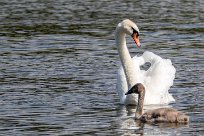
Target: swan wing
[{"x": 157, "y": 80}]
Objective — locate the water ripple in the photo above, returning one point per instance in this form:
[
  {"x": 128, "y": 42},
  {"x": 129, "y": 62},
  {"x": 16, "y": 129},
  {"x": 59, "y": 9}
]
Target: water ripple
[{"x": 58, "y": 65}]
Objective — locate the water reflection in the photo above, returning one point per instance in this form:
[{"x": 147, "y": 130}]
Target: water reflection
[{"x": 58, "y": 65}]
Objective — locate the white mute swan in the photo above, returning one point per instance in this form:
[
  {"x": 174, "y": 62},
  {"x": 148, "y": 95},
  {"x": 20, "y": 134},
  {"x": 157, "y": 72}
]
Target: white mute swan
[
  {"x": 157, "y": 115},
  {"x": 157, "y": 79}
]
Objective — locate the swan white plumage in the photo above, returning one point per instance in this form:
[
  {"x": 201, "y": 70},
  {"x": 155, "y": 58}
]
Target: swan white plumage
[{"x": 160, "y": 74}]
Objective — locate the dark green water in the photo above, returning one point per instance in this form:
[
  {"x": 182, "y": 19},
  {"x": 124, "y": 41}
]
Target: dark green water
[{"x": 58, "y": 64}]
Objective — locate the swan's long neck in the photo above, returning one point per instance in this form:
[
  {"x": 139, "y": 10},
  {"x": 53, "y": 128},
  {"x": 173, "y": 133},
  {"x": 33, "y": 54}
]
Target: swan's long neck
[
  {"x": 139, "y": 110},
  {"x": 125, "y": 57}
]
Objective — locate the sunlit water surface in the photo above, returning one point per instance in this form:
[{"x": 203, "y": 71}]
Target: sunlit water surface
[{"x": 58, "y": 65}]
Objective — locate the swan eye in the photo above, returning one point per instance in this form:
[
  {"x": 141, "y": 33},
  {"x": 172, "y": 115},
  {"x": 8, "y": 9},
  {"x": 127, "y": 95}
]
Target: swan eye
[{"x": 135, "y": 32}]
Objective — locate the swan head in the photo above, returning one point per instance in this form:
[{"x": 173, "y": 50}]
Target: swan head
[
  {"x": 137, "y": 88},
  {"x": 130, "y": 28}
]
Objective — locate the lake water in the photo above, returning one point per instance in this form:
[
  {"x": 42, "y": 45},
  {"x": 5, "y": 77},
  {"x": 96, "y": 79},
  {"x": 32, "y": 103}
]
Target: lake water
[{"x": 58, "y": 65}]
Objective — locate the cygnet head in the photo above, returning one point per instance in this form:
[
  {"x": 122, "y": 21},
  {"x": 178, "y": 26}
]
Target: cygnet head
[
  {"x": 130, "y": 28},
  {"x": 138, "y": 89}
]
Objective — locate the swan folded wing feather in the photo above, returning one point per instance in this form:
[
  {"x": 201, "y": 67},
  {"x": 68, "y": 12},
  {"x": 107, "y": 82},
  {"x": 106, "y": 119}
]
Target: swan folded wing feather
[
  {"x": 121, "y": 85},
  {"x": 157, "y": 79}
]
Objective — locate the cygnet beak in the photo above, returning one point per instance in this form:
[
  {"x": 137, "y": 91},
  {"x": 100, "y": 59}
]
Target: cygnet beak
[{"x": 129, "y": 92}]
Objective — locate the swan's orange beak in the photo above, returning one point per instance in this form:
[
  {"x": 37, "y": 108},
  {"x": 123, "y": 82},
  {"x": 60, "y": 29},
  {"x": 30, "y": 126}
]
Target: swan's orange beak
[{"x": 136, "y": 39}]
